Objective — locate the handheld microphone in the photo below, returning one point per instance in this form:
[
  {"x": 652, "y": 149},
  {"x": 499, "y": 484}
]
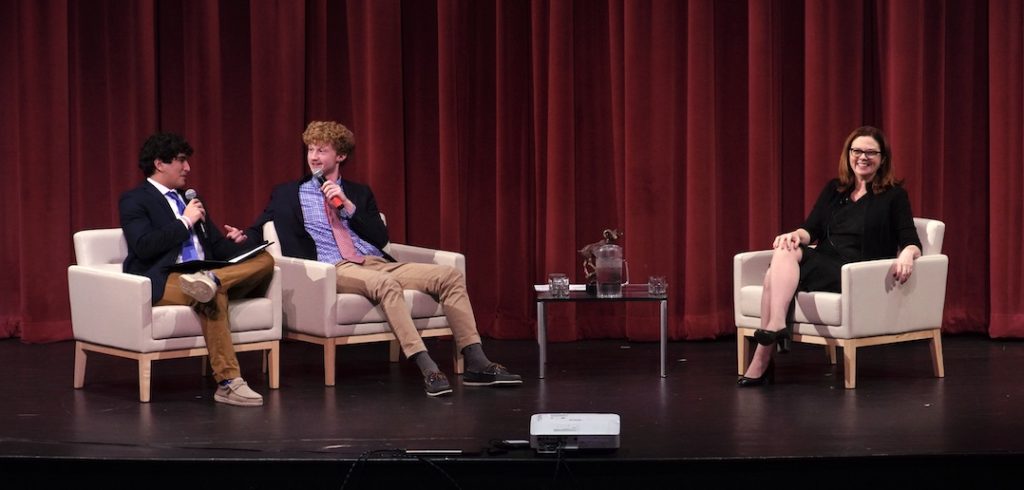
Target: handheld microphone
[
  {"x": 189, "y": 196},
  {"x": 319, "y": 176}
]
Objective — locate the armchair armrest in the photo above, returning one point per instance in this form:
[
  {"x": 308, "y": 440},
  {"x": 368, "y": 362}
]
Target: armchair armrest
[
  {"x": 749, "y": 268},
  {"x": 274, "y": 295},
  {"x": 103, "y": 300},
  {"x": 409, "y": 253},
  {"x": 309, "y": 293},
  {"x": 876, "y": 304}
]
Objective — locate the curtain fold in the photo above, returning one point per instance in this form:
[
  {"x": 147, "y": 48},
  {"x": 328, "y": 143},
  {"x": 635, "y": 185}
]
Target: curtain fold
[
  {"x": 1005, "y": 141},
  {"x": 937, "y": 110},
  {"x": 12, "y": 310},
  {"x": 37, "y": 211},
  {"x": 515, "y": 132},
  {"x": 557, "y": 176}
]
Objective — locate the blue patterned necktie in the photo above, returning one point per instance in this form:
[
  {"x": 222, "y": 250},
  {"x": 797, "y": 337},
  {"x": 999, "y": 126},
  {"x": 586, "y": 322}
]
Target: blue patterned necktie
[{"x": 188, "y": 249}]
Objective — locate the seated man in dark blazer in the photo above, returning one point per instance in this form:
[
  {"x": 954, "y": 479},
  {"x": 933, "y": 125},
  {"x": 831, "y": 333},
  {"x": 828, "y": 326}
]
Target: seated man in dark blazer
[
  {"x": 161, "y": 230},
  {"x": 336, "y": 221}
]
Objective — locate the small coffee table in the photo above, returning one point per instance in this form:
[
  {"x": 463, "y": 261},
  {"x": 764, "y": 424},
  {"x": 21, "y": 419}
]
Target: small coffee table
[{"x": 629, "y": 293}]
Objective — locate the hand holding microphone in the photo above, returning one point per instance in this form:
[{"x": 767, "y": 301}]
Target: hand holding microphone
[
  {"x": 331, "y": 190},
  {"x": 195, "y": 211}
]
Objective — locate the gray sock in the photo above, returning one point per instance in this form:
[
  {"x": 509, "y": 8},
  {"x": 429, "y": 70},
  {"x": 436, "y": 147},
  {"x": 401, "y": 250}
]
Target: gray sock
[
  {"x": 425, "y": 363},
  {"x": 474, "y": 356}
]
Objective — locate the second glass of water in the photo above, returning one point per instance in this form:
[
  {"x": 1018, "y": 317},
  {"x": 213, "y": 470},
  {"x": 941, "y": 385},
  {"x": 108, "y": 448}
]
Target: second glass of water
[
  {"x": 657, "y": 286},
  {"x": 558, "y": 285}
]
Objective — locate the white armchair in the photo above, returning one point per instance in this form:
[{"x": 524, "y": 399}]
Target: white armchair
[
  {"x": 112, "y": 313},
  {"x": 872, "y": 308},
  {"x": 315, "y": 312}
]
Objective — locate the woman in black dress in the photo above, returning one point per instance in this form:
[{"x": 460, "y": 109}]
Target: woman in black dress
[{"x": 864, "y": 214}]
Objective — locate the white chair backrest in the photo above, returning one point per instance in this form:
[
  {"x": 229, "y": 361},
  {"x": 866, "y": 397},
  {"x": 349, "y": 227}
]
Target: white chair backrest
[
  {"x": 270, "y": 235},
  {"x": 100, "y": 247},
  {"x": 931, "y": 232}
]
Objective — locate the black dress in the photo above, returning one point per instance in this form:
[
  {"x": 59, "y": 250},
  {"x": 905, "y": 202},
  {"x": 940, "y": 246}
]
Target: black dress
[
  {"x": 820, "y": 268},
  {"x": 876, "y": 226}
]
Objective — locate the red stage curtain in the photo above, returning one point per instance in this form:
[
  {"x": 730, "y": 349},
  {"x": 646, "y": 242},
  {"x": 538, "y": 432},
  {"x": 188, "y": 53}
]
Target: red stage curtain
[
  {"x": 515, "y": 132},
  {"x": 1005, "y": 167}
]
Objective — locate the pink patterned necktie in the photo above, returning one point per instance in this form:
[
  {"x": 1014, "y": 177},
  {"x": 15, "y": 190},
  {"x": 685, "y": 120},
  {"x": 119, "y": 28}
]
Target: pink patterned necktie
[{"x": 341, "y": 236}]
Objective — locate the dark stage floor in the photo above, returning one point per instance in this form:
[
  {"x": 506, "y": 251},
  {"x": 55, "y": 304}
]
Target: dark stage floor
[{"x": 694, "y": 426}]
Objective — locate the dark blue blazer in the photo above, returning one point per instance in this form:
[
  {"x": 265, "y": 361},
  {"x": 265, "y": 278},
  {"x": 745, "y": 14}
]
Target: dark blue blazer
[
  {"x": 155, "y": 236},
  {"x": 286, "y": 213}
]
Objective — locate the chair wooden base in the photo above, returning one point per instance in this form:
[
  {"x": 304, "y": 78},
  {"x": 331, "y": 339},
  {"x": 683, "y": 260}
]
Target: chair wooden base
[
  {"x": 934, "y": 337},
  {"x": 146, "y": 359},
  {"x": 330, "y": 345}
]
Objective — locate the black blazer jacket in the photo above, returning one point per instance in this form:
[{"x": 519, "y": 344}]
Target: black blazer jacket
[
  {"x": 888, "y": 223},
  {"x": 155, "y": 236},
  {"x": 286, "y": 213}
]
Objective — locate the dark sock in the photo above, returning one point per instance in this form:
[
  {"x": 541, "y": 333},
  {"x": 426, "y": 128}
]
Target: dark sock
[
  {"x": 475, "y": 358},
  {"x": 425, "y": 363}
]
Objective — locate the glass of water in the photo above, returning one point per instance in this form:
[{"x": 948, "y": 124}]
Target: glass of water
[
  {"x": 558, "y": 285},
  {"x": 657, "y": 286}
]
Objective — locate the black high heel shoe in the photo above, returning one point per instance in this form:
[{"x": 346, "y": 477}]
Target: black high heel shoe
[
  {"x": 768, "y": 377},
  {"x": 781, "y": 338}
]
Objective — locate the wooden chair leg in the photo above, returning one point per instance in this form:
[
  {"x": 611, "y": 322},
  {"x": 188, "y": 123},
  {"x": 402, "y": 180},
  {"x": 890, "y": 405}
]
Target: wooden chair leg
[
  {"x": 145, "y": 377},
  {"x": 394, "y": 350},
  {"x": 459, "y": 363},
  {"x": 329, "y": 359},
  {"x": 273, "y": 365},
  {"x": 938, "y": 366},
  {"x": 80, "y": 358},
  {"x": 850, "y": 365},
  {"x": 742, "y": 352}
]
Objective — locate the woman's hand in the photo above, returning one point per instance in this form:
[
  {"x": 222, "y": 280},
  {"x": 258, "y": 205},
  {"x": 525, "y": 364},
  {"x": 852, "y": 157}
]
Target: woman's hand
[
  {"x": 788, "y": 241},
  {"x": 904, "y": 265}
]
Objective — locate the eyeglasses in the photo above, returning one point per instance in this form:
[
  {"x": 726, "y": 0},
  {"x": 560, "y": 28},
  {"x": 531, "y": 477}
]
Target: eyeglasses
[{"x": 857, "y": 152}]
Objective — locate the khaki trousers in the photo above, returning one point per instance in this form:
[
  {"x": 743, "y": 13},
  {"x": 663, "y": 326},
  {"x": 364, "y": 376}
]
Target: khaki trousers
[
  {"x": 236, "y": 281},
  {"x": 383, "y": 282}
]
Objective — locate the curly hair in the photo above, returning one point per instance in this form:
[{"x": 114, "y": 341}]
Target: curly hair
[
  {"x": 164, "y": 146},
  {"x": 333, "y": 133},
  {"x": 884, "y": 178}
]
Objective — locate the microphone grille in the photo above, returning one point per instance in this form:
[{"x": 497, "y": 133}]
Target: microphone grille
[
  {"x": 318, "y": 173},
  {"x": 190, "y": 194}
]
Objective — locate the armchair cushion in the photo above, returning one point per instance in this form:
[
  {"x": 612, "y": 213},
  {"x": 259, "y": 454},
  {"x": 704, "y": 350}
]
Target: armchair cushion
[
  {"x": 353, "y": 308},
  {"x": 817, "y": 307},
  {"x": 246, "y": 315}
]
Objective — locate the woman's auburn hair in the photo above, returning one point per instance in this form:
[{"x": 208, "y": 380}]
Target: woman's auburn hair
[{"x": 885, "y": 177}]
